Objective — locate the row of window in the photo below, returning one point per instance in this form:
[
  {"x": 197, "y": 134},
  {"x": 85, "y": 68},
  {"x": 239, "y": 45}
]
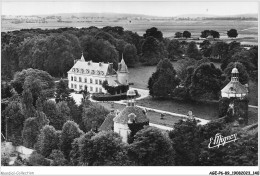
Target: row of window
[
  {"x": 97, "y": 81},
  {"x": 91, "y": 89},
  {"x": 87, "y": 71}
]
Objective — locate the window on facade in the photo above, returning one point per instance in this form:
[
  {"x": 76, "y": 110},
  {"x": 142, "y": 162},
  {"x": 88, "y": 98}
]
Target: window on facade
[
  {"x": 80, "y": 87},
  {"x": 72, "y": 78},
  {"x": 91, "y": 80},
  {"x": 71, "y": 86},
  {"x": 100, "y": 82},
  {"x": 79, "y": 79},
  {"x": 96, "y": 81},
  {"x": 75, "y": 86},
  {"x": 91, "y": 88},
  {"x": 75, "y": 78},
  {"x": 85, "y": 80},
  {"x": 100, "y": 90},
  {"x": 96, "y": 89}
]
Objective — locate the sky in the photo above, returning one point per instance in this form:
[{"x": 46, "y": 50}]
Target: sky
[{"x": 153, "y": 8}]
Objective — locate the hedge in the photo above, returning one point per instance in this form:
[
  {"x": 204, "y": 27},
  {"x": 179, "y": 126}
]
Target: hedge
[{"x": 109, "y": 97}]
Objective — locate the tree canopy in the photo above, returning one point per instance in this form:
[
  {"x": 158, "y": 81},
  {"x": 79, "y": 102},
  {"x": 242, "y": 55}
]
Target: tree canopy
[
  {"x": 151, "y": 147},
  {"x": 232, "y": 33}
]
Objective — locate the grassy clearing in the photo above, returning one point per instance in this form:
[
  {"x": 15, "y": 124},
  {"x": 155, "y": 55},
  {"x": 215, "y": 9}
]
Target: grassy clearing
[
  {"x": 200, "y": 110},
  {"x": 153, "y": 116},
  {"x": 204, "y": 111}
]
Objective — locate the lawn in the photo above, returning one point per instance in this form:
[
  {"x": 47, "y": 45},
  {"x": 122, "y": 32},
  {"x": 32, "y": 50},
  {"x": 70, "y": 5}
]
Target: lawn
[
  {"x": 154, "y": 117},
  {"x": 201, "y": 110}
]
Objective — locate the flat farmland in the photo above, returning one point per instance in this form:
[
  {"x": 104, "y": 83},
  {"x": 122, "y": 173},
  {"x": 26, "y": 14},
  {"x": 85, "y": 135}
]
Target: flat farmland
[{"x": 247, "y": 30}]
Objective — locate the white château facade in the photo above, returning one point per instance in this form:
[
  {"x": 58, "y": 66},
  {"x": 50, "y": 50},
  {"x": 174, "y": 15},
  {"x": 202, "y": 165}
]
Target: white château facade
[{"x": 92, "y": 74}]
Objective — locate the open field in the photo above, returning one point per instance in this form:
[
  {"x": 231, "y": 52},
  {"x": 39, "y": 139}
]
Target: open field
[
  {"x": 247, "y": 30},
  {"x": 154, "y": 117},
  {"x": 140, "y": 75}
]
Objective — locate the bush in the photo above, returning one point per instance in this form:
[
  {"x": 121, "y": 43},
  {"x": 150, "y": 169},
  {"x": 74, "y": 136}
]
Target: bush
[
  {"x": 182, "y": 93},
  {"x": 37, "y": 159},
  {"x": 108, "y": 97}
]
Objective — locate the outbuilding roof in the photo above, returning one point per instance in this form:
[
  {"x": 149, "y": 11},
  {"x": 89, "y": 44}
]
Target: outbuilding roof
[
  {"x": 234, "y": 87},
  {"x": 108, "y": 123},
  {"x": 123, "y": 116}
]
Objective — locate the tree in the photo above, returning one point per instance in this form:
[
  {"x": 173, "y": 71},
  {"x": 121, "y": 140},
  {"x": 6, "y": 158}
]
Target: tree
[
  {"x": 206, "y": 48},
  {"x": 80, "y": 147},
  {"x": 243, "y": 75},
  {"x": 27, "y": 102},
  {"x": 244, "y": 57},
  {"x": 48, "y": 140},
  {"x": 76, "y": 112},
  {"x": 220, "y": 49},
  {"x": 206, "y": 33},
  {"x": 58, "y": 158},
  {"x": 63, "y": 114},
  {"x": 93, "y": 116},
  {"x": 15, "y": 121},
  {"x": 70, "y": 131},
  {"x": 99, "y": 50},
  {"x": 206, "y": 82},
  {"x": 186, "y": 34},
  {"x": 215, "y": 34},
  {"x": 37, "y": 159},
  {"x": 164, "y": 80},
  {"x": 32, "y": 128},
  {"x": 104, "y": 149},
  {"x": 238, "y": 153},
  {"x": 154, "y": 33},
  {"x": 150, "y": 51},
  {"x": 38, "y": 82},
  {"x": 232, "y": 33},
  {"x": 130, "y": 55},
  {"x": 186, "y": 142},
  {"x": 178, "y": 35},
  {"x": 62, "y": 91},
  {"x": 151, "y": 147},
  {"x": 30, "y": 132},
  {"x": 183, "y": 66},
  {"x": 174, "y": 50},
  {"x": 193, "y": 51}
]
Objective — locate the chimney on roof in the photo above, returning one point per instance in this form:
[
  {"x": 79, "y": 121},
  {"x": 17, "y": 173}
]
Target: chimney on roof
[{"x": 100, "y": 64}]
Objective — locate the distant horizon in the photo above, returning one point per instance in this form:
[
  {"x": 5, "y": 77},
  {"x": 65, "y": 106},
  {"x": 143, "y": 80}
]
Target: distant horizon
[
  {"x": 136, "y": 14},
  {"x": 147, "y": 8}
]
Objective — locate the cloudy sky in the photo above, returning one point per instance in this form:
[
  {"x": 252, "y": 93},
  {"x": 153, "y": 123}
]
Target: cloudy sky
[{"x": 154, "y": 8}]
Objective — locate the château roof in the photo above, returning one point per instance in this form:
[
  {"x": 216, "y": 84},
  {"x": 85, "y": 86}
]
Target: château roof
[
  {"x": 92, "y": 68},
  {"x": 123, "y": 116},
  {"x": 122, "y": 67}
]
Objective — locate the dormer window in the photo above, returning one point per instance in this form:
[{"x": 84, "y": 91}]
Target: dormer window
[
  {"x": 77, "y": 70},
  {"x": 102, "y": 73},
  {"x": 92, "y": 71},
  {"x": 87, "y": 71},
  {"x": 98, "y": 72},
  {"x": 73, "y": 69},
  {"x": 82, "y": 70}
]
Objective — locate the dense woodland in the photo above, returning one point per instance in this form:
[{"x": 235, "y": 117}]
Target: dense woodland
[{"x": 67, "y": 133}]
